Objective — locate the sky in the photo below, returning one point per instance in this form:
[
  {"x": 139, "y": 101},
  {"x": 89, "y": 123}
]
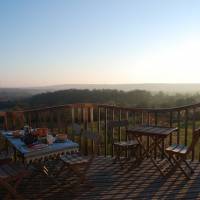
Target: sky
[{"x": 51, "y": 42}]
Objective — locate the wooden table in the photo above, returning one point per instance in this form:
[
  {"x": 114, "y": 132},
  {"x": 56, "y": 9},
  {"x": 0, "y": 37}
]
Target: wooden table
[
  {"x": 38, "y": 158},
  {"x": 157, "y": 134},
  {"x": 30, "y": 155}
]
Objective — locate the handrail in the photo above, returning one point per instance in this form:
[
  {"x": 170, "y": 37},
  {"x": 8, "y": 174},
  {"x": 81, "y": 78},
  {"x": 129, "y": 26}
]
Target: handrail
[
  {"x": 85, "y": 105},
  {"x": 95, "y": 105},
  {"x": 151, "y": 109}
]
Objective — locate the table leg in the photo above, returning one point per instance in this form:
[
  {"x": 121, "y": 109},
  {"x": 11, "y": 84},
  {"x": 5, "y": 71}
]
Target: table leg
[
  {"x": 148, "y": 152},
  {"x": 6, "y": 147},
  {"x": 15, "y": 155}
]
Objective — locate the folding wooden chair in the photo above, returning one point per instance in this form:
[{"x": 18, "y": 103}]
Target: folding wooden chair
[
  {"x": 78, "y": 163},
  {"x": 10, "y": 177},
  {"x": 178, "y": 154},
  {"x": 129, "y": 146}
]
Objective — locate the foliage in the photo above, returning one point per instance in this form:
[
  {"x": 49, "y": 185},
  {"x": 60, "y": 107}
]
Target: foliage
[{"x": 135, "y": 98}]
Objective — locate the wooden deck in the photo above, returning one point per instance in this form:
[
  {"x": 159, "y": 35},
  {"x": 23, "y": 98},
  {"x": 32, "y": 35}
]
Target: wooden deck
[{"x": 110, "y": 181}]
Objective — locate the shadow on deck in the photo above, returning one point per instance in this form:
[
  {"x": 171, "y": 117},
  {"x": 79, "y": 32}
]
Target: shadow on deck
[{"x": 110, "y": 181}]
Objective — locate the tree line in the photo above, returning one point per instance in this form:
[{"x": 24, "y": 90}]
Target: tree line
[{"x": 135, "y": 98}]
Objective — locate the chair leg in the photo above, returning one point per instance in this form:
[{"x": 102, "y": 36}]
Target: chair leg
[
  {"x": 187, "y": 164},
  {"x": 118, "y": 153},
  {"x": 134, "y": 152},
  {"x": 80, "y": 170},
  {"x": 60, "y": 170},
  {"x": 137, "y": 154},
  {"x": 178, "y": 164}
]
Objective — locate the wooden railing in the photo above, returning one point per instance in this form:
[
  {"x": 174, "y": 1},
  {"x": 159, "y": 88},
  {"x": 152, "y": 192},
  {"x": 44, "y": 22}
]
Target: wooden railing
[{"x": 96, "y": 118}]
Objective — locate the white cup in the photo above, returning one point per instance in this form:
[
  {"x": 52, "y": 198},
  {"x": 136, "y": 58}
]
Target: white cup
[{"x": 50, "y": 139}]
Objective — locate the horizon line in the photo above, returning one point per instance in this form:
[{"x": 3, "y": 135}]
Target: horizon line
[{"x": 91, "y": 84}]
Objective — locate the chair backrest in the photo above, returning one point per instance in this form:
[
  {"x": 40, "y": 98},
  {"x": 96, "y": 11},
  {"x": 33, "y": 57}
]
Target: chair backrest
[
  {"x": 76, "y": 129},
  {"x": 116, "y": 124},
  {"x": 88, "y": 134},
  {"x": 195, "y": 138},
  {"x": 93, "y": 137}
]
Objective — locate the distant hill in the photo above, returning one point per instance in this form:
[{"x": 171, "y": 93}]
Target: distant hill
[
  {"x": 152, "y": 87},
  {"x": 18, "y": 93},
  {"x": 9, "y": 94},
  {"x": 134, "y": 98}
]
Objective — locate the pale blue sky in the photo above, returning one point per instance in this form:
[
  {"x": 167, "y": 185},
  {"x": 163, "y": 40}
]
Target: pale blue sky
[{"x": 48, "y": 42}]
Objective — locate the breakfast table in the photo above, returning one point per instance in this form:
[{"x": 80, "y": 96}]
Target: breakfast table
[
  {"x": 37, "y": 156},
  {"x": 38, "y": 152}
]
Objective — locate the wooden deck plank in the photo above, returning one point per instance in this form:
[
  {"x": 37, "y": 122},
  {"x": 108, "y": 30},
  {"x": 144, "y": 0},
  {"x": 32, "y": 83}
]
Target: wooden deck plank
[{"x": 113, "y": 182}]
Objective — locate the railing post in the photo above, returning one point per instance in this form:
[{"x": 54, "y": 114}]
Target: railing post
[
  {"x": 142, "y": 118},
  {"x": 127, "y": 118},
  {"x": 29, "y": 120},
  {"x": 178, "y": 132},
  {"x": 91, "y": 114},
  {"x": 171, "y": 123},
  {"x": 156, "y": 118},
  {"x": 155, "y": 123},
  {"x": 90, "y": 120},
  {"x": 73, "y": 115},
  {"x": 112, "y": 134},
  {"x": 99, "y": 124},
  {"x": 193, "y": 129},
  {"x": 5, "y": 120},
  {"x": 148, "y": 123},
  {"x": 186, "y": 126},
  {"x": 51, "y": 120},
  {"x": 119, "y": 130},
  {"x": 134, "y": 118},
  {"x": 85, "y": 122},
  {"x": 79, "y": 117},
  {"x": 73, "y": 120},
  {"x": 59, "y": 124},
  {"x": 106, "y": 132}
]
